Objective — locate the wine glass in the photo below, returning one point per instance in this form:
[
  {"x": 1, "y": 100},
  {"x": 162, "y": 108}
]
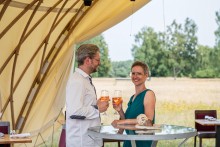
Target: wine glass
[
  {"x": 104, "y": 97},
  {"x": 117, "y": 98}
]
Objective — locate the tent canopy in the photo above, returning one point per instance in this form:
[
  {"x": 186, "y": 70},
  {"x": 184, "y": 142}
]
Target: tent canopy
[{"x": 37, "y": 52}]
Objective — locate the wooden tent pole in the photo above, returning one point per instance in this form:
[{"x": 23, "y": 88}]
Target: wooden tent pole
[
  {"x": 2, "y": 1},
  {"x": 15, "y": 62},
  {"x": 17, "y": 18},
  {"x": 48, "y": 37},
  {"x": 28, "y": 34},
  {"x": 30, "y": 61},
  {"x": 4, "y": 8},
  {"x": 44, "y": 76}
]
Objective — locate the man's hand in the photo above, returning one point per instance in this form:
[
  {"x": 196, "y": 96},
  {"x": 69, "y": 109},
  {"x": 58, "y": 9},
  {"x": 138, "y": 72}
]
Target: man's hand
[{"x": 102, "y": 105}]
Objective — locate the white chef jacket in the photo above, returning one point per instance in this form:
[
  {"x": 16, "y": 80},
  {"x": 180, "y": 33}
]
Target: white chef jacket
[{"x": 80, "y": 98}]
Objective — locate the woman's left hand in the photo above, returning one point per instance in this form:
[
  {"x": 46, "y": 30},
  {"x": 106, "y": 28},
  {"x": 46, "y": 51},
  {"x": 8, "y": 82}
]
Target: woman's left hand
[{"x": 115, "y": 123}]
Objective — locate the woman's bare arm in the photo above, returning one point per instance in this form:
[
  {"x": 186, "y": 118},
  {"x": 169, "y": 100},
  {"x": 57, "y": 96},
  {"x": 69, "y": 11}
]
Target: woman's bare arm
[
  {"x": 124, "y": 122},
  {"x": 149, "y": 104}
]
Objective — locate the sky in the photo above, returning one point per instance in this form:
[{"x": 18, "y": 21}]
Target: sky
[{"x": 158, "y": 14}]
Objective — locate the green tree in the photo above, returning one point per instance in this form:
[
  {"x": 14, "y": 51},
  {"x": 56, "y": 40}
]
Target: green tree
[
  {"x": 215, "y": 54},
  {"x": 121, "y": 68},
  {"x": 203, "y": 65},
  {"x": 182, "y": 43},
  {"x": 217, "y": 32},
  {"x": 203, "y": 57},
  {"x": 148, "y": 49},
  {"x": 105, "y": 66},
  {"x": 162, "y": 68},
  {"x": 191, "y": 45}
]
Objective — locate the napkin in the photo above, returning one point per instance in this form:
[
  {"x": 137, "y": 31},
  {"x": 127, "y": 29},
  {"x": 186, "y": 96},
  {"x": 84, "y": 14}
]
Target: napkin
[
  {"x": 1, "y": 134},
  {"x": 210, "y": 118},
  {"x": 156, "y": 127},
  {"x": 23, "y": 135},
  {"x": 147, "y": 131}
]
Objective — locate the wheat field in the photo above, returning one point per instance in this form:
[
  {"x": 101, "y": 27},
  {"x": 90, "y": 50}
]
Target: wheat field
[{"x": 176, "y": 101}]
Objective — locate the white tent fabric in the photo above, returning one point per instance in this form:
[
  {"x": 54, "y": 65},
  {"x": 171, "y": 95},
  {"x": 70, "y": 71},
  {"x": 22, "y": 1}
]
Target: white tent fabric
[{"x": 37, "y": 54}]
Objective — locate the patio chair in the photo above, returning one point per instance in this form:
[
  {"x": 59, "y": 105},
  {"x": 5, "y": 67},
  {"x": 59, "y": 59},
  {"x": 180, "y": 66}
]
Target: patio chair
[
  {"x": 5, "y": 128},
  {"x": 62, "y": 142},
  {"x": 204, "y": 131}
]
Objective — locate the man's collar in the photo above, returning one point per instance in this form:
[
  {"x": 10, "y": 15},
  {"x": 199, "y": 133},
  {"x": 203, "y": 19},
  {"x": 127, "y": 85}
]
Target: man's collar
[{"x": 80, "y": 71}]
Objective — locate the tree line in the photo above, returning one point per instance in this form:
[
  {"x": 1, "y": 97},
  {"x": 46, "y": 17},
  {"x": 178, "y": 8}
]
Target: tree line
[{"x": 172, "y": 53}]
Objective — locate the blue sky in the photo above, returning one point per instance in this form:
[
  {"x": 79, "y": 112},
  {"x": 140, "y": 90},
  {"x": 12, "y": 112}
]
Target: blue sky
[{"x": 120, "y": 37}]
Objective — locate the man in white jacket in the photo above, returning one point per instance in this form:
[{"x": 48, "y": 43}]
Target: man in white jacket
[{"x": 82, "y": 107}]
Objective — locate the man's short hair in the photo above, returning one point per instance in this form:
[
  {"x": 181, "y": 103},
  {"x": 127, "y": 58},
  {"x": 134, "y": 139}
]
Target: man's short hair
[{"x": 84, "y": 51}]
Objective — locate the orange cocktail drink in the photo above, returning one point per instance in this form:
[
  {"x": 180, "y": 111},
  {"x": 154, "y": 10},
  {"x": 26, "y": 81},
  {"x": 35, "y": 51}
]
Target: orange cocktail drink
[
  {"x": 104, "y": 98},
  {"x": 117, "y": 100}
]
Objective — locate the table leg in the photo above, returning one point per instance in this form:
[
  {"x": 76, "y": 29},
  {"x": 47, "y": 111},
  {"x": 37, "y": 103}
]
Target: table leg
[
  {"x": 98, "y": 142},
  {"x": 217, "y": 140},
  {"x": 133, "y": 143},
  {"x": 183, "y": 142},
  {"x": 154, "y": 144}
]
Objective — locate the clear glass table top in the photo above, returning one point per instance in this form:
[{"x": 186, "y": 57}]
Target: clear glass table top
[{"x": 129, "y": 132}]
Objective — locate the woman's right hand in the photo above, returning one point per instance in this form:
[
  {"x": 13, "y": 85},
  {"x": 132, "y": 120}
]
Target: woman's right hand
[{"x": 117, "y": 107}]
